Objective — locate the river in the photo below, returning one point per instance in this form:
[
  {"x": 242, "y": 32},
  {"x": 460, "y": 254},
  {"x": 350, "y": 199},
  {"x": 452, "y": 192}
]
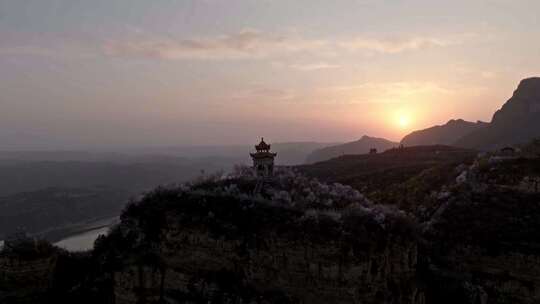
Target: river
[
  {"x": 83, "y": 241},
  {"x": 89, "y": 232}
]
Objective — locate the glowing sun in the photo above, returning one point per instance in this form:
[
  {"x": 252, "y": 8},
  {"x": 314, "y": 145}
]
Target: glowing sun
[{"x": 403, "y": 120}]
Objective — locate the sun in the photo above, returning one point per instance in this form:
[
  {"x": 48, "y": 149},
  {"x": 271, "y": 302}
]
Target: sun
[{"x": 403, "y": 120}]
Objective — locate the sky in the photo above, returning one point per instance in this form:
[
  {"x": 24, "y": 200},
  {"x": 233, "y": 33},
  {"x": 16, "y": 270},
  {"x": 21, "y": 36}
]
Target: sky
[{"x": 77, "y": 74}]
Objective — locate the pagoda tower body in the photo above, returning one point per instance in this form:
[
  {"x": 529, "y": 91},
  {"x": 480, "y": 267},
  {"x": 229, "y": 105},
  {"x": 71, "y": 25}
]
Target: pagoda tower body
[{"x": 263, "y": 160}]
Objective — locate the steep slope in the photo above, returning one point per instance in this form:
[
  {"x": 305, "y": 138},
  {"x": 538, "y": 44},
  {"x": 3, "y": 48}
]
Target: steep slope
[
  {"x": 361, "y": 146},
  {"x": 446, "y": 134},
  {"x": 483, "y": 240},
  {"x": 517, "y": 122},
  {"x": 398, "y": 176}
]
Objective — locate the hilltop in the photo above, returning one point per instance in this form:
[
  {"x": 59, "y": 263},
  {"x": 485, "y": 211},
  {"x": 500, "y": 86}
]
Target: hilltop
[{"x": 361, "y": 146}]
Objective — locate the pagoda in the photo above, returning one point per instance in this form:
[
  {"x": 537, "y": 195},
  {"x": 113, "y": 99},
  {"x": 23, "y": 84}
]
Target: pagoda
[{"x": 263, "y": 160}]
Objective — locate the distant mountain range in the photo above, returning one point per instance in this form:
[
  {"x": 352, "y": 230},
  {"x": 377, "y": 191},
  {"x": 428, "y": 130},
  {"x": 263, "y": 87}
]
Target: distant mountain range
[
  {"x": 289, "y": 153},
  {"x": 517, "y": 122},
  {"x": 361, "y": 146}
]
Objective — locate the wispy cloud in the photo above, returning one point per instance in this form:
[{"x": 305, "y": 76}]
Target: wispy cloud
[
  {"x": 252, "y": 43},
  {"x": 47, "y": 45},
  {"x": 388, "y": 92},
  {"x": 394, "y": 45},
  {"x": 244, "y": 44},
  {"x": 314, "y": 66},
  {"x": 264, "y": 93}
]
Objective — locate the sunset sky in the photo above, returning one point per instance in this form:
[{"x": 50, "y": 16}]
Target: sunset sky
[{"x": 112, "y": 73}]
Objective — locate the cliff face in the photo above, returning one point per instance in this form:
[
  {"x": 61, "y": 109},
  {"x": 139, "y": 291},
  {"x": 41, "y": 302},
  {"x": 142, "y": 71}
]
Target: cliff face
[
  {"x": 524, "y": 103},
  {"x": 274, "y": 268}
]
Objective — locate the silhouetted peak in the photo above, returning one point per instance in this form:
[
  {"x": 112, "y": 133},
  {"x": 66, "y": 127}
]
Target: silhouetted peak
[
  {"x": 524, "y": 102},
  {"x": 529, "y": 87},
  {"x": 365, "y": 137}
]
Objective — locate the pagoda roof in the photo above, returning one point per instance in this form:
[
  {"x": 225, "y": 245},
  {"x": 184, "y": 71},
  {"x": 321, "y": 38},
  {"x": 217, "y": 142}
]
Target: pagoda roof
[
  {"x": 262, "y": 146},
  {"x": 261, "y": 155}
]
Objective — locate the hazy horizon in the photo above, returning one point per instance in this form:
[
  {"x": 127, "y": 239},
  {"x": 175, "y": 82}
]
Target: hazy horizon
[{"x": 78, "y": 75}]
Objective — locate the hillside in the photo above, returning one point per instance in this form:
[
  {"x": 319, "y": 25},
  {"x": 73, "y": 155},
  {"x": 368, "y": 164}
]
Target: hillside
[
  {"x": 382, "y": 177},
  {"x": 361, "y": 146}
]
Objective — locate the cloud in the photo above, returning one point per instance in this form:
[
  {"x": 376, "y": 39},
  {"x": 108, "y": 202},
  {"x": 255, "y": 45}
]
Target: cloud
[
  {"x": 389, "y": 92},
  {"x": 250, "y": 43},
  {"x": 264, "y": 93},
  {"x": 27, "y": 50},
  {"x": 397, "y": 45},
  {"x": 314, "y": 66},
  {"x": 46, "y": 45},
  {"x": 244, "y": 44}
]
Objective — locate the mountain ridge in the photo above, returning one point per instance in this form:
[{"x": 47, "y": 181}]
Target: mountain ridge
[
  {"x": 446, "y": 134},
  {"x": 516, "y": 122},
  {"x": 360, "y": 146}
]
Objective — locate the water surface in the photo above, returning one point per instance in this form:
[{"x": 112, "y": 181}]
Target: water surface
[{"x": 83, "y": 241}]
